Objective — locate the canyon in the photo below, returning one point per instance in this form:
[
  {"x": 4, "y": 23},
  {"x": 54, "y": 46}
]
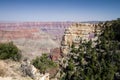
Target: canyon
[
  {"x": 53, "y": 38},
  {"x": 33, "y": 38}
]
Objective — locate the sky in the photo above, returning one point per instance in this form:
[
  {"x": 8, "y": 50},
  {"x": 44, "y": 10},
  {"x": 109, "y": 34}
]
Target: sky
[{"x": 59, "y": 10}]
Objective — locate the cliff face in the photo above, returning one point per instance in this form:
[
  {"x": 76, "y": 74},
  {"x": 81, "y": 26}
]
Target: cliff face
[
  {"x": 34, "y": 38},
  {"x": 77, "y": 32}
]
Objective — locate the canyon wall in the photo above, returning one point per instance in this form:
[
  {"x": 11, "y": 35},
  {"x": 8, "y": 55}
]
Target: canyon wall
[{"x": 77, "y": 32}]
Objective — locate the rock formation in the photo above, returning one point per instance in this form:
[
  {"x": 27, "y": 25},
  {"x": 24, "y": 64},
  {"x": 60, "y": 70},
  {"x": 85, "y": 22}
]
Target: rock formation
[
  {"x": 77, "y": 32},
  {"x": 29, "y": 70}
]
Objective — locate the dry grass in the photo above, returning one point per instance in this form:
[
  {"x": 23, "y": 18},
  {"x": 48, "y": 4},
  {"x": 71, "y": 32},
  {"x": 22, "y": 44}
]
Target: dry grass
[{"x": 2, "y": 69}]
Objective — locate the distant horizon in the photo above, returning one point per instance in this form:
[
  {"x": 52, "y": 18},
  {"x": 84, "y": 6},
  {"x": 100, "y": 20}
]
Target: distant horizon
[
  {"x": 60, "y": 21},
  {"x": 57, "y": 21},
  {"x": 52, "y": 21},
  {"x": 58, "y": 10}
]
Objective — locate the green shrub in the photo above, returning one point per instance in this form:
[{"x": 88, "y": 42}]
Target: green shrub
[
  {"x": 43, "y": 63},
  {"x": 9, "y": 51}
]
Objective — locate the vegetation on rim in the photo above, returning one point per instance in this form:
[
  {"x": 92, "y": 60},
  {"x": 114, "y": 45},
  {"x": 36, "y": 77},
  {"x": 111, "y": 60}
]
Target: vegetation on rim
[
  {"x": 9, "y": 51},
  {"x": 98, "y": 62}
]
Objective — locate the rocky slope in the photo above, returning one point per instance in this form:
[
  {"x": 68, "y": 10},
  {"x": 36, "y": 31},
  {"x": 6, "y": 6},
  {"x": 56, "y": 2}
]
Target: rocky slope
[
  {"x": 10, "y": 70},
  {"x": 24, "y": 70}
]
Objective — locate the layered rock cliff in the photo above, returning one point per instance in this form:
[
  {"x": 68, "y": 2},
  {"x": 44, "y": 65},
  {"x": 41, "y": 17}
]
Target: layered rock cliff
[{"x": 77, "y": 32}]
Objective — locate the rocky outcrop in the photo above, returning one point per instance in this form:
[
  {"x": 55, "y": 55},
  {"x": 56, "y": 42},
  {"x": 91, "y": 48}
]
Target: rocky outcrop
[
  {"x": 76, "y": 33},
  {"x": 11, "y": 70},
  {"x": 29, "y": 70},
  {"x": 55, "y": 54}
]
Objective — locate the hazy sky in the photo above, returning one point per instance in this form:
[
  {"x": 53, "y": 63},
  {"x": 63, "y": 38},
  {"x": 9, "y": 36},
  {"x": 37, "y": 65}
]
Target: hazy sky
[{"x": 59, "y": 10}]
